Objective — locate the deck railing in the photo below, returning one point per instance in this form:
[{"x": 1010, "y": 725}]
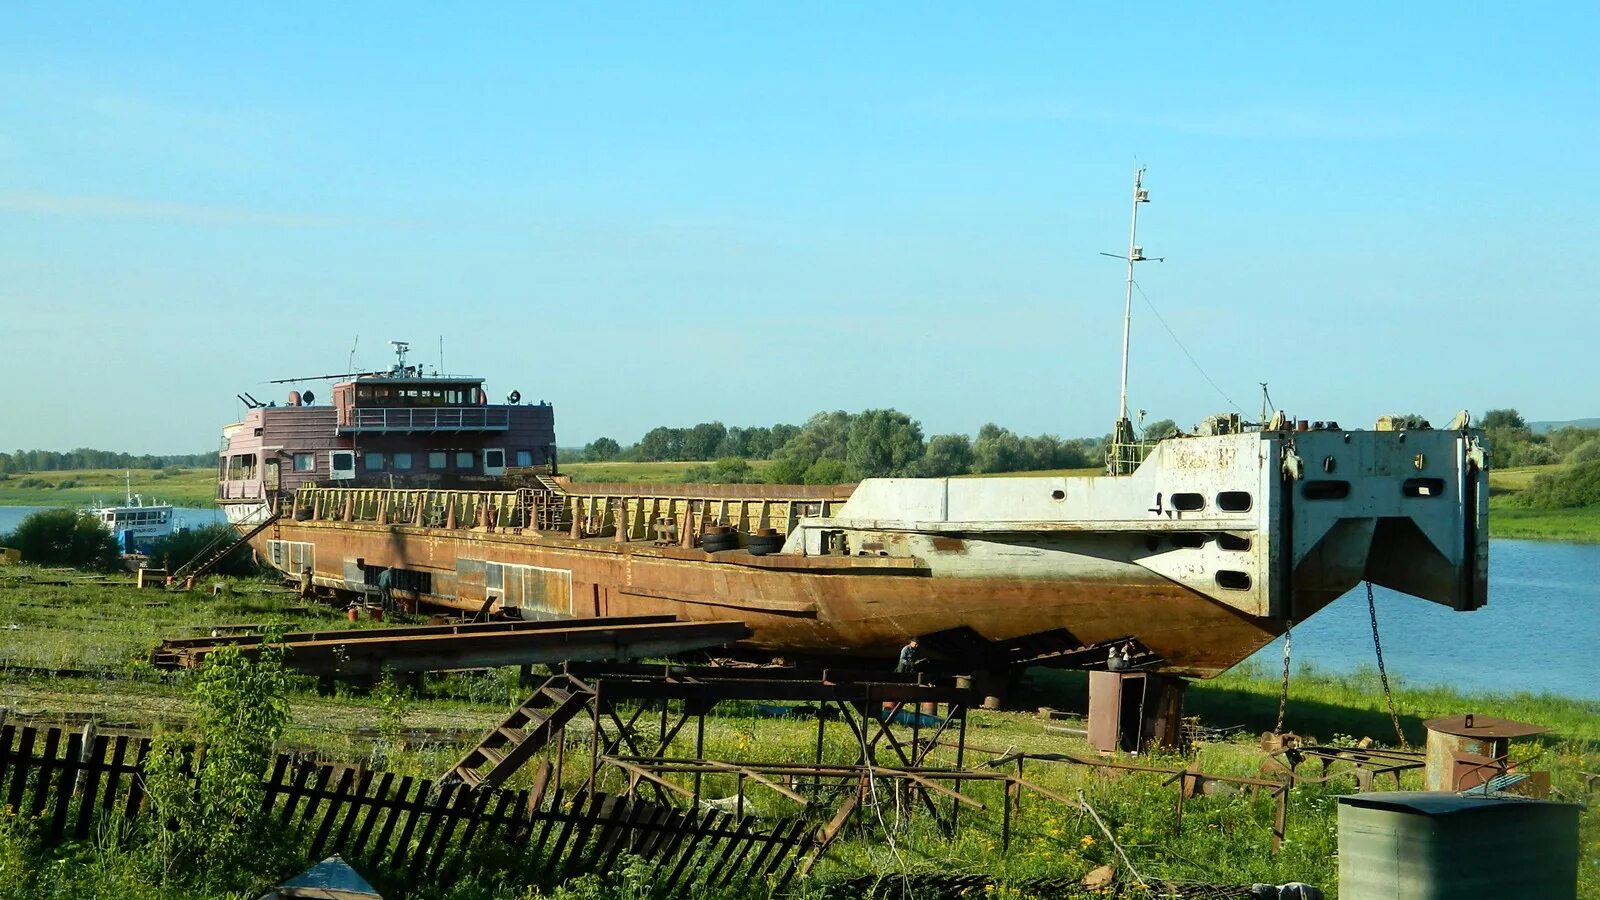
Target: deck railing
[{"x": 425, "y": 418}]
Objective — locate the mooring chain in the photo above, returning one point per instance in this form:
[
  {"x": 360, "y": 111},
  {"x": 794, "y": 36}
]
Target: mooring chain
[
  {"x": 1283, "y": 692},
  {"x": 1383, "y": 674}
]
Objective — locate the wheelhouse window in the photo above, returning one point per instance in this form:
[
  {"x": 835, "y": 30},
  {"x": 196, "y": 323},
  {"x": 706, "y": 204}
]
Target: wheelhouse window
[
  {"x": 437, "y": 459},
  {"x": 524, "y": 457},
  {"x": 402, "y": 462},
  {"x": 242, "y": 467},
  {"x": 341, "y": 465},
  {"x": 494, "y": 462},
  {"x": 305, "y": 462},
  {"x": 374, "y": 461},
  {"x": 465, "y": 460}
]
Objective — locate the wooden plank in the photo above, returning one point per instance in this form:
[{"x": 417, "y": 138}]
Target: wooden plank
[
  {"x": 294, "y": 791},
  {"x": 601, "y": 808},
  {"x": 66, "y": 783},
  {"x": 548, "y": 819},
  {"x": 568, "y": 819},
  {"x": 274, "y": 783},
  {"x": 336, "y": 804},
  {"x": 414, "y": 810},
  {"x": 695, "y": 840},
  {"x": 675, "y": 829},
  {"x": 135, "y": 798},
  {"x": 790, "y": 854},
  {"x": 90, "y": 787},
  {"x": 8, "y": 733},
  {"x": 471, "y": 808},
  {"x": 489, "y": 821},
  {"x": 45, "y": 767},
  {"x": 727, "y": 852},
  {"x": 376, "y": 804},
  {"x": 394, "y": 806},
  {"x": 108, "y": 801},
  {"x": 632, "y": 817},
  {"x": 359, "y": 804},
  {"x": 438, "y": 811},
  {"x": 21, "y": 767},
  {"x": 315, "y": 795},
  {"x": 769, "y": 840}
]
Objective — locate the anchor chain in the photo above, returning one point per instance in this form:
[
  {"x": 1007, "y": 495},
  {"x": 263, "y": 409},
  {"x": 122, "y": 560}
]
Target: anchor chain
[
  {"x": 1383, "y": 674},
  {"x": 1283, "y": 692}
]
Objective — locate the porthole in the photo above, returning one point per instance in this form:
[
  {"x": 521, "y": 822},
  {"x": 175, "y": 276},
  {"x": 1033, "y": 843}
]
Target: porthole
[
  {"x": 1234, "y": 501},
  {"x": 1188, "y": 502},
  {"x": 1228, "y": 579},
  {"x": 1325, "y": 490}
]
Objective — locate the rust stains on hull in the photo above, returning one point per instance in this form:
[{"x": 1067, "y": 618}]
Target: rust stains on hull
[{"x": 855, "y": 606}]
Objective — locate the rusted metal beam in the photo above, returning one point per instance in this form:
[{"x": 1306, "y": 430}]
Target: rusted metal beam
[{"x": 474, "y": 647}]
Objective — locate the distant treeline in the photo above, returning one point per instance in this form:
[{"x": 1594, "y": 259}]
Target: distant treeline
[
  {"x": 85, "y": 458},
  {"x": 1512, "y": 442},
  {"x": 839, "y": 446}
]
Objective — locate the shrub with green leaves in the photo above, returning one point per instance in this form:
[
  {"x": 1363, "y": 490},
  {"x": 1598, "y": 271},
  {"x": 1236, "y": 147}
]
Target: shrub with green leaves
[
  {"x": 64, "y": 537},
  {"x": 207, "y": 786}
]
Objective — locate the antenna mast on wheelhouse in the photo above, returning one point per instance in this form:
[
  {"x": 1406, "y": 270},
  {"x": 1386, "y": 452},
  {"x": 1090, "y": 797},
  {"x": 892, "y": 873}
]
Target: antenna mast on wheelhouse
[{"x": 1124, "y": 454}]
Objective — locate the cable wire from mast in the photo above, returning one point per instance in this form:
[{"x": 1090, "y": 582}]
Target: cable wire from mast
[{"x": 1196, "y": 363}]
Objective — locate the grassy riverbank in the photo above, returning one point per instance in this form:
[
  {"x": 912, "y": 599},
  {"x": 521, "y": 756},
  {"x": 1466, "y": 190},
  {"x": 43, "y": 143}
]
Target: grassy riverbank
[
  {"x": 1509, "y": 519},
  {"x": 101, "y": 632},
  {"x": 82, "y": 487}
]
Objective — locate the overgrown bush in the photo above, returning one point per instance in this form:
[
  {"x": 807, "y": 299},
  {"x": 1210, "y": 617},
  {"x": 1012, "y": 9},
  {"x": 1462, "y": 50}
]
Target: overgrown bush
[
  {"x": 33, "y": 481},
  {"x": 1573, "y": 486},
  {"x": 209, "y": 827},
  {"x": 180, "y": 547},
  {"x": 64, "y": 537}
]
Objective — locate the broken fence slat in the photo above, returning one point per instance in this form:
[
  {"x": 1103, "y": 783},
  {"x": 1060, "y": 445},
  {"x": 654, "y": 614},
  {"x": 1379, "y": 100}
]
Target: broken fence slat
[{"x": 89, "y": 787}]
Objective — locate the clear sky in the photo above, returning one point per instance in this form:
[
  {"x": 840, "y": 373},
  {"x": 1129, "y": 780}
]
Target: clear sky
[{"x": 669, "y": 213}]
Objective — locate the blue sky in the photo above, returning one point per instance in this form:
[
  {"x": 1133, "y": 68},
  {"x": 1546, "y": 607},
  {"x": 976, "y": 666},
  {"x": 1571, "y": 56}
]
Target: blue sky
[{"x": 650, "y": 214}]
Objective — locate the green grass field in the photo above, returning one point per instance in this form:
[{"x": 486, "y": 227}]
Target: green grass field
[
  {"x": 81, "y": 487},
  {"x": 89, "y": 625},
  {"x": 1508, "y": 520}
]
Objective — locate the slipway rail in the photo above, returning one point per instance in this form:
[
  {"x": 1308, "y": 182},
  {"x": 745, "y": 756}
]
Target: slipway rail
[{"x": 368, "y": 651}]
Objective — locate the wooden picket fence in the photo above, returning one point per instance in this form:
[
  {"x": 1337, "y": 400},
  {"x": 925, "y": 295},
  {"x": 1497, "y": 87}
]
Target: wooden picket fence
[
  {"x": 67, "y": 784},
  {"x": 70, "y": 782}
]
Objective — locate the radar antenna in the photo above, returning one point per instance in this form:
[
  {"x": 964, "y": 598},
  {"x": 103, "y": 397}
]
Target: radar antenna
[{"x": 401, "y": 348}]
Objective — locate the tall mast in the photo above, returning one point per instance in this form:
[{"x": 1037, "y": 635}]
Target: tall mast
[
  {"x": 1135, "y": 254},
  {"x": 1124, "y": 454}
]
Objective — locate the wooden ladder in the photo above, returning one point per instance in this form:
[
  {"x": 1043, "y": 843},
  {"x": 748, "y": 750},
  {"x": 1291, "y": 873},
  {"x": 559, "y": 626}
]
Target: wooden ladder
[{"x": 531, "y": 727}]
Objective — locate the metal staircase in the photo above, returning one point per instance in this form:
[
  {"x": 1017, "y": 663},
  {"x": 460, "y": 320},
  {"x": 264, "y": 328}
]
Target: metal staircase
[
  {"x": 530, "y": 727},
  {"x": 201, "y": 564}
]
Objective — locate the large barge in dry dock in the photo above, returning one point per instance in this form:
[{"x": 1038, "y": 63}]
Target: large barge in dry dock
[{"x": 1207, "y": 549}]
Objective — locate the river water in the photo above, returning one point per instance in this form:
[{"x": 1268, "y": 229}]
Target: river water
[
  {"x": 1539, "y": 633},
  {"x": 11, "y": 516}
]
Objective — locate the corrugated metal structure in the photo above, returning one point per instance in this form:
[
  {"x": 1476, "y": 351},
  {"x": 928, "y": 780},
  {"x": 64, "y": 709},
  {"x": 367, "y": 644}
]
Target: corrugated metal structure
[{"x": 1432, "y": 845}]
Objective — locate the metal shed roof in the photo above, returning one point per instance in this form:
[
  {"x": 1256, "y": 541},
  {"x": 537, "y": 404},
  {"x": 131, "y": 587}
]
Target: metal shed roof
[{"x": 1440, "y": 803}]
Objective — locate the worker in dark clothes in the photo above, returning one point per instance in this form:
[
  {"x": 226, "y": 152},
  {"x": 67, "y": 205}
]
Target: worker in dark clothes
[
  {"x": 910, "y": 658},
  {"x": 386, "y": 588}
]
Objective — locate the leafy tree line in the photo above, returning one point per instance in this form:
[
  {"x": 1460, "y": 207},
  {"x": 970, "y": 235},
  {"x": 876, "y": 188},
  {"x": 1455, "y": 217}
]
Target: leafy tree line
[
  {"x": 838, "y": 446},
  {"x": 86, "y": 458}
]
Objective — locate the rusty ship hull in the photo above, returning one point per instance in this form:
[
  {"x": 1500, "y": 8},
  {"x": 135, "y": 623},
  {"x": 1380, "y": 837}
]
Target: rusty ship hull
[{"x": 824, "y": 607}]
